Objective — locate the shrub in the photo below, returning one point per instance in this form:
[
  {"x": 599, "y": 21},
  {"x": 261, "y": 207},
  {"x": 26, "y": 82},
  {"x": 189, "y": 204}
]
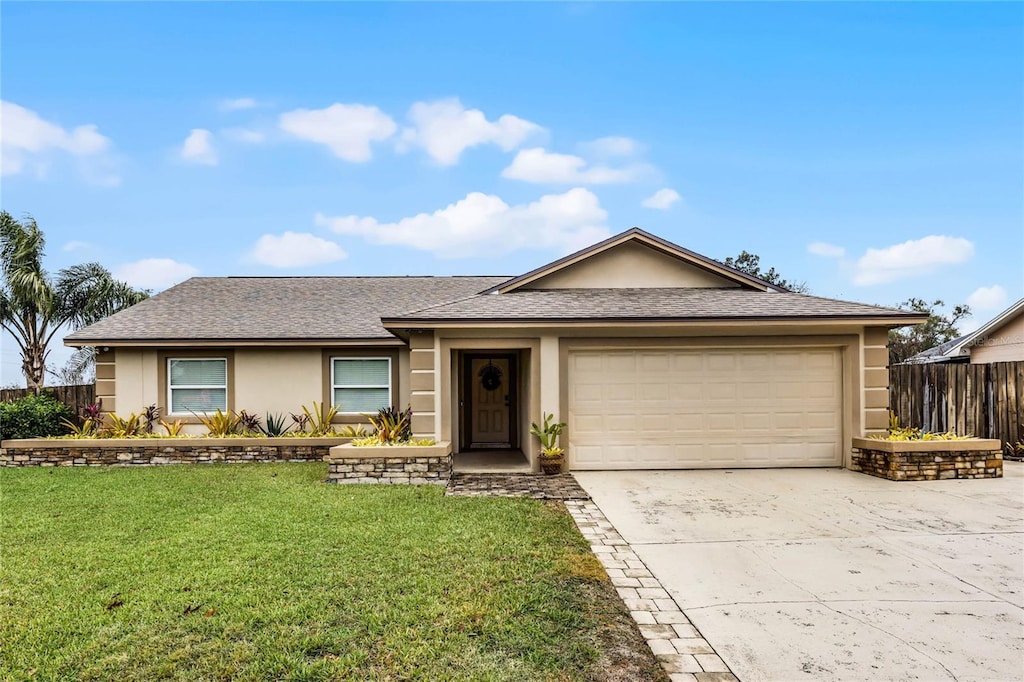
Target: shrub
[
  {"x": 903, "y": 433},
  {"x": 34, "y": 416}
]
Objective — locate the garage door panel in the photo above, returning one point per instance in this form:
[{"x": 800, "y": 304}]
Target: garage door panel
[{"x": 704, "y": 408}]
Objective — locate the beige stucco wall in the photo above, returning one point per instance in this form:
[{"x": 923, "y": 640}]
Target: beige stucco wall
[
  {"x": 277, "y": 380},
  {"x": 1004, "y": 344},
  {"x": 630, "y": 265},
  {"x": 875, "y": 363},
  {"x": 136, "y": 380}
]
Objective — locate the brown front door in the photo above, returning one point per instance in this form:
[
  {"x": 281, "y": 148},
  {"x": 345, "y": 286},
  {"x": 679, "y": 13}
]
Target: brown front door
[{"x": 489, "y": 391}]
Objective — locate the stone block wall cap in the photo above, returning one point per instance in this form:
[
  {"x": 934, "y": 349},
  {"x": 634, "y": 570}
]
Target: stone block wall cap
[
  {"x": 966, "y": 445},
  {"x": 349, "y": 451}
]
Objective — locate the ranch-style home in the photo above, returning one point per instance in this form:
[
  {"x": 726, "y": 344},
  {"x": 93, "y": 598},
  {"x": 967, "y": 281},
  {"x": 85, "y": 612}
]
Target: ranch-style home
[{"x": 655, "y": 356}]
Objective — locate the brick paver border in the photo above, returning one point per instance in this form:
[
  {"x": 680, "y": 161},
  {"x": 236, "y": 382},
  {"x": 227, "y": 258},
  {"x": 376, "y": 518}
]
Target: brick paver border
[{"x": 676, "y": 643}]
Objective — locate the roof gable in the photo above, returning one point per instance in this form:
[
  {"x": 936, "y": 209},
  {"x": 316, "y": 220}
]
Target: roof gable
[
  {"x": 634, "y": 259},
  {"x": 1001, "y": 320}
]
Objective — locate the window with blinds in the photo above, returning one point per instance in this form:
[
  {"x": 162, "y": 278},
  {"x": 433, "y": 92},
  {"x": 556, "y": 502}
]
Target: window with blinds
[
  {"x": 361, "y": 385},
  {"x": 197, "y": 384}
]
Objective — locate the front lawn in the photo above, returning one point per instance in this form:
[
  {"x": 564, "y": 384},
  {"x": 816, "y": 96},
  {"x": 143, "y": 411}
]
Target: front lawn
[{"x": 262, "y": 571}]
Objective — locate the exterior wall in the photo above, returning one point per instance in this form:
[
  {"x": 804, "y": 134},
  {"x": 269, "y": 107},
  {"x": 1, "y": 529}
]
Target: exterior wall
[
  {"x": 1005, "y": 344},
  {"x": 277, "y": 380},
  {"x": 630, "y": 265},
  {"x": 106, "y": 380},
  {"x": 260, "y": 380},
  {"x": 864, "y": 357},
  {"x": 136, "y": 380},
  {"x": 424, "y": 393},
  {"x": 876, "y": 380}
]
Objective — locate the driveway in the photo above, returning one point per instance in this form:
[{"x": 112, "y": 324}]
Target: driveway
[{"x": 801, "y": 574}]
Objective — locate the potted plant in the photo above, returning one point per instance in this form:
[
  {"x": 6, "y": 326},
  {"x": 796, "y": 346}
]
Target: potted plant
[{"x": 552, "y": 457}]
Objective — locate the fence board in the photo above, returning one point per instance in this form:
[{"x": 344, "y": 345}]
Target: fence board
[
  {"x": 983, "y": 400},
  {"x": 77, "y": 397}
]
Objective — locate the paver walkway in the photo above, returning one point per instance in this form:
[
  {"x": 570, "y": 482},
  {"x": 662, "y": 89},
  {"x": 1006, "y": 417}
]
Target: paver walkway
[
  {"x": 675, "y": 642},
  {"x": 536, "y": 486}
]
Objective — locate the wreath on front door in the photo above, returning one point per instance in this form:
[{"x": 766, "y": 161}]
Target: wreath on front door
[{"x": 490, "y": 377}]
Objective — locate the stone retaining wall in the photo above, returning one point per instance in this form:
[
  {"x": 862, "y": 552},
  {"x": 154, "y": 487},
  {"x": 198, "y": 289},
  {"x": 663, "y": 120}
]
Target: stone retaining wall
[
  {"x": 128, "y": 452},
  {"x": 416, "y": 465},
  {"x": 933, "y": 460},
  {"x": 408, "y": 470}
]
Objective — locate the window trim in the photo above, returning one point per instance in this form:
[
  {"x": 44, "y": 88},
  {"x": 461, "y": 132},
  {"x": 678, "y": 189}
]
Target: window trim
[
  {"x": 334, "y": 385},
  {"x": 170, "y": 388}
]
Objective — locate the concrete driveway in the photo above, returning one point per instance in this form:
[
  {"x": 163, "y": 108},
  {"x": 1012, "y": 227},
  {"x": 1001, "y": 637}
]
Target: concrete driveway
[{"x": 801, "y": 574}]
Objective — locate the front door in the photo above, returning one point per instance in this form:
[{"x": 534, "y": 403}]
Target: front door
[{"x": 489, "y": 400}]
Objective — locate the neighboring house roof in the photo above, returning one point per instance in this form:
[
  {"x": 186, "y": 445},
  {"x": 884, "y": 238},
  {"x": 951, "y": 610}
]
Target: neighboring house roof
[
  {"x": 637, "y": 235},
  {"x": 951, "y": 350},
  {"x": 277, "y": 308},
  {"x": 643, "y": 305},
  {"x": 935, "y": 353}
]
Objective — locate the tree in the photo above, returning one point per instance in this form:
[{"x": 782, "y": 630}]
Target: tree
[
  {"x": 907, "y": 342},
  {"x": 750, "y": 263},
  {"x": 34, "y": 306}
]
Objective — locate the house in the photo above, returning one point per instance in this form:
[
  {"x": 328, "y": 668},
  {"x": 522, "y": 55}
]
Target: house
[
  {"x": 1001, "y": 339},
  {"x": 655, "y": 356}
]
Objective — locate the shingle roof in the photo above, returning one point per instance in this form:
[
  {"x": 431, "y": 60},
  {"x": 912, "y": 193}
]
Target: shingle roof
[
  {"x": 278, "y": 308},
  {"x": 644, "y": 304}
]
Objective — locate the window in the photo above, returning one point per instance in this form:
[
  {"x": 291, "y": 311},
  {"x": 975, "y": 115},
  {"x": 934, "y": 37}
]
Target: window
[
  {"x": 361, "y": 385},
  {"x": 197, "y": 384}
]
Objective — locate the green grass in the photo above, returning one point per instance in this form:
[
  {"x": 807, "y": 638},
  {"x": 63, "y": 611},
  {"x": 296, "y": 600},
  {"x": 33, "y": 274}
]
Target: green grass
[{"x": 254, "y": 572}]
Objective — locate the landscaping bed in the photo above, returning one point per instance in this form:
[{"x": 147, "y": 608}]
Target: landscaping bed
[
  {"x": 262, "y": 572},
  {"x": 154, "y": 451},
  {"x": 928, "y": 460}
]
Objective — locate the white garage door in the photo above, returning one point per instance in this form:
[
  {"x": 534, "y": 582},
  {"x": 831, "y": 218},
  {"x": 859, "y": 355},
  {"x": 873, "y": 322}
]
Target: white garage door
[{"x": 702, "y": 408}]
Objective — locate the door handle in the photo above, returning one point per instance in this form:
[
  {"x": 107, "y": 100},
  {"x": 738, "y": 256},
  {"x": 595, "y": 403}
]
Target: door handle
[{"x": 506, "y": 400}]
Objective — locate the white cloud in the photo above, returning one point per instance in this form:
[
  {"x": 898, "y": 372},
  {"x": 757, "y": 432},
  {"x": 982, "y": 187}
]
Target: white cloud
[
  {"x": 610, "y": 147},
  {"x": 444, "y": 128},
  {"x": 76, "y": 245},
  {"x": 662, "y": 199},
  {"x": 484, "y": 225},
  {"x": 27, "y": 141},
  {"x": 541, "y": 166},
  {"x": 154, "y": 273},
  {"x": 826, "y": 250},
  {"x": 988, "y": 298},
  {"x": 346, "y": 129},
  {"x": 236, "y": 104},
  {"x": 911, "y": 259},
  {"x": 245, "y": 135},
  {"x": 198, "y": 148},
  {"x": 295, "y": 250}
]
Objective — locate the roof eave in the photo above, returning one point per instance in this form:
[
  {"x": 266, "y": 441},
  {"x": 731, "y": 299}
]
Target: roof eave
[
  {"x": 270, "y": 341},
  {"x": 867, "y": 320}
]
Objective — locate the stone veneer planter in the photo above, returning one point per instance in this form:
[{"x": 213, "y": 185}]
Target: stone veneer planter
[
  {"x": 153, "y": 451},
  {"x": 928, "y": 460},
  {"x": 414, "y": 464}
]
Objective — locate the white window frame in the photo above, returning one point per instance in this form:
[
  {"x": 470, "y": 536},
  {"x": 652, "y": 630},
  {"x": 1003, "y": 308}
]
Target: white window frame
[
  {"x": 334, "y": 383},
  {"x": 171, "y": 388}
]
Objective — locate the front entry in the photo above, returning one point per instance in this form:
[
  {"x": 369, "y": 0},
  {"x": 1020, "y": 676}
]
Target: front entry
[{"x": 489, "y": 400}]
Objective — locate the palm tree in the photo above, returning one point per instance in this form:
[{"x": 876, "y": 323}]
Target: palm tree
[{"x": 34, "y": 306}]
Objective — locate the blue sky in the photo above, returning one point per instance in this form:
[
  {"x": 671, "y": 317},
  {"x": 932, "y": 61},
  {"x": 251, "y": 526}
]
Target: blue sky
[{"x": 875, "y": 151}]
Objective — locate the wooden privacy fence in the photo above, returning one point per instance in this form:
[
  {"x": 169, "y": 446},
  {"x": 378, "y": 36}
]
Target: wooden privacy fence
[
  {"x": 982, "y": 400},
  {"x": 75, "y": 397}
]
